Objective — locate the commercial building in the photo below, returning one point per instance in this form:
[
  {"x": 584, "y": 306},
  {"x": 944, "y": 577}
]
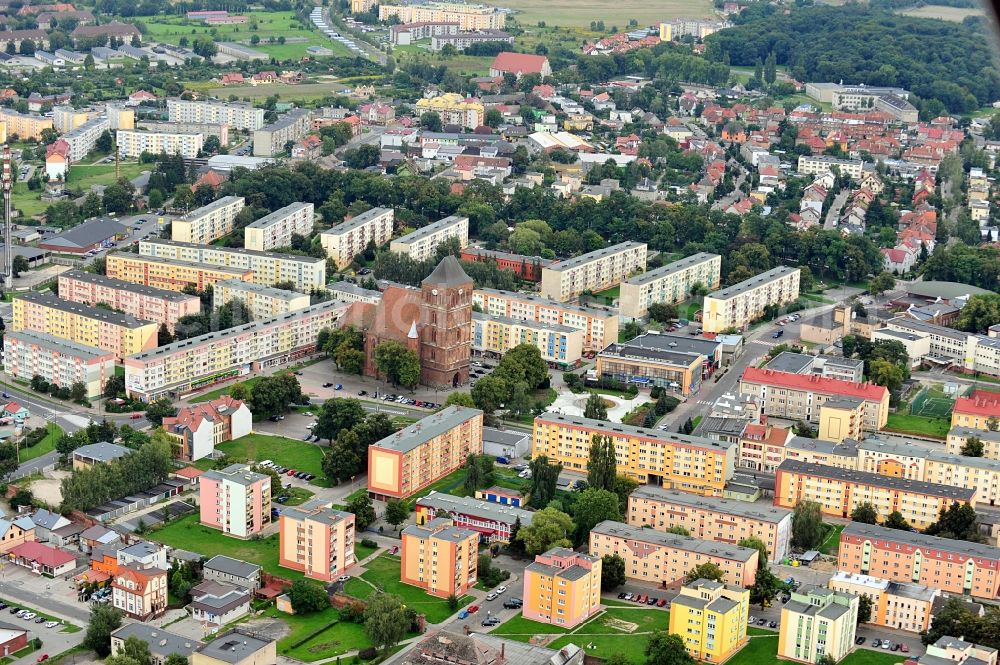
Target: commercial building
[
  {"x": 840, "y": 491},
  {"x": 83, "y": 138},
  {"x": 650, "y": 456},
  {"x": 594, "y": 271},
  {"x": 665, "y": 558},
  {"x": 58, "y": 361},
  {"x": 677, "y": 363},
  {"x": 24, "y": 125},
  {"x": 259, "y": 302},
  {"x": 238, "y": 116},
  {"x": 235, "y": 500},
  {"x": 209, "y": 222},
  {"x": 956, "y": 651},
  {"x": 138, "y": 300},
  {"x": 711, "y": 618},
  {"x": 236, "y": 648},
  {"x": 206, "y": 129},
  {"x": 953, "y": 566},
  {"x": 170, "y": 274},
  {"x": 104, "y": 329},
  {"x": 493, "y": 336},
  {"x": 316, "y": 540},
  {"x": 737, "y": 306},
  {"x": 192, "y": 364},
  {"x": 711, "y": 518},
  {"x": 817, "y": 622},
  {"x": 198, "y": 428},
  {"x": 599, "y": 326},
  {"x": 468, "y": 16},
  {"x": 439, "y": 557},
  {"x": 494, "y": 522},
  {"x": 132, "y": 143},
  {"x": 85, "y": 457},
  {"x": 454, "y": 109},
  {"x": 562, "y": 587},
  {"x": 800, "y": 397},
  {"x": 820, "y": 164},
  {"x": 404, "y": 463},
  {"x": 276, "y": 229},
  {"x": 404, "y": 34},
  {"x": 896, "y": 605},
  {"x": 422, "y": 243},
  {"x": 669, "y": 284},
  {"x": 270, "y": 140},
  {"x": 268, "y": 268},
  {"x": 349, "y": 238}
]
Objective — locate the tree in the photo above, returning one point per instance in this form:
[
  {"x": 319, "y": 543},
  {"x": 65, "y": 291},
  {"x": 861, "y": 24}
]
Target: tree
[
  {"x": 593, "y": 507},
  {"x": 602, "y": 467},
  {"x": 19, "y": 265},
  {"x": 399, "y": 365},
  {"x": 865, "y": 513},
  {"x": 543, "y": 481},
  {"x": 490, "y": 393},
  {"x": 958, "y": 522},
  {"x": 341, "y": 462},
  {"x": 624, "y": 486},
  {"x": 104, "y": 620},
  {"x": 493, "y": 118},
  {"x": 666, "y": 648},
  {"x": 362, "y": 157},
  {"x": 430, "y": 121},
  {"x": 612, "y": 572},
  {"x": 706, "y": 571},
  {"x": 163, "y": 336},
  {"x": 78, "y": 391},
  {"x": 308, "y": 597},
  {"x": 756, "y": 543},
  {"x": 472, "y": 480},
  {"x": 386, "y": 620},
  {"x": 880, "y": 283},
  {"x": 954, "y": 618},
  {"x": 337, "y": 414},
  {"x": 135, "y": 650},
  {"x": 662, "y": 312},
  {"x": 895, "y": 520},
  {"x": 396, "y": 512},
  {"x": 886, "y": 373},
  {"x": 460, "y": 399},
  {"x": 864, "y": 609},
  {"x": 104, "y": 143},
  {"x": 807, "y": 525},
  {"x": 175, "y": 659},
  {"x": 765, "y": 587},
  {"x": 973, "y": 447},
  {"x": 364, "y": 512},
  {"x": 595, "y": 409},
  {"x": 118, "y": 196},
  {"x": 549, "y": 528},
  {"x": 160, "y": 409}
]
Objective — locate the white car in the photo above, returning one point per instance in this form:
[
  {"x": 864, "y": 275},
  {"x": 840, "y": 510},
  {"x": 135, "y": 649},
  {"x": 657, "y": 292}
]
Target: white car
[
  {"x": 51, "y": 624},
  {"x": 309, "y": 414},
  {"x": 266, "y": 463},
  {"x": 29, "y": 616},
  {"x": 491, "y": 596},
  {"x": 343, "y": 578},
  {"x": 500, "y": 589}
]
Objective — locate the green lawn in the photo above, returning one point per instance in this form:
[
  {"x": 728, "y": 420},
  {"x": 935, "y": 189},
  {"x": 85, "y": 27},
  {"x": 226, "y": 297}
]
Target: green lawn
[
  {"x": 46, "y": 445},
  {"x": 692, "y": 309},
  {"x": 297, "y": 496},
  {"x": 765, "y": 650},
  {"x": 383, "y": 572},
  {"x": 225, "y": 390},
  {"x": 362, "y": 551},
  {"x": 922, "y": 425},
  {"x": 81, "y": 176},
  {"x": 295, "y": 454},
  {"x": 831, "y": 544},
  {"x": 334, "y": 641}
]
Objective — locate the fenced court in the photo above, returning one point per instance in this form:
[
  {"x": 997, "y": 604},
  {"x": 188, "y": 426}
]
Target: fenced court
[{"x": 931, "y": 404}]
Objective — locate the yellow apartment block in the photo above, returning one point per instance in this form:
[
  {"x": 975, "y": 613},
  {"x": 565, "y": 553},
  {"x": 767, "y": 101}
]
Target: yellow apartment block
[
  {"x": 440, "y": 558},
  {"x": 316, "y": 540},
  {"x": 842, "y": 418},
  {"x": 209, "y": 222},
  {"x": 958, "y": 436},
  {"x": 454, "y": 109},
  {"x": 24, "y": 125},
  {"x": 668, "y": 284},
  {"x": 817, "y": 622},
  {"x": 738, "y": 305},
  {"x": 349, "y": 238},
  {"x": 468, "y": 16},
  {"x": 104, "y": 329},
  {"x": 595, "y": 271},
  {"x": 711, "y": 618},
  {"x": 260, "y": 302},
  {"x": 169, "y": 273},
  {"x": 494, "y": 336},
  {"x": 897, "y": 605},
  {"x": 652, "y": 457},
  {"x": 562, "y": 587}
]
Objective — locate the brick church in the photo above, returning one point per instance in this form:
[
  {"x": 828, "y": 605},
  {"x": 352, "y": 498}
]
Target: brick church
[{"x": 434, "y": 320}]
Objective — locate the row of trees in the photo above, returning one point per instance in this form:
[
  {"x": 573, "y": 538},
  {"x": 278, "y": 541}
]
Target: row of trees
[
  {"x": 350, "y": 430},
  {"x": 148, "y": 466}
]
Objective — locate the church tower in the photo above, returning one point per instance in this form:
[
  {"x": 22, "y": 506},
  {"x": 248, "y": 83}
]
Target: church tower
[{"x": 445, "y": 325}]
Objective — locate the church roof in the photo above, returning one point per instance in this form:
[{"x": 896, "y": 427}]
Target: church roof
[{"x": 448, "y": 273}]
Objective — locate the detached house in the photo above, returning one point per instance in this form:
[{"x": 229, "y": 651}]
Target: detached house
[
  {"x": 520, "y": 64},
  {"x": 197, "y": 429}
]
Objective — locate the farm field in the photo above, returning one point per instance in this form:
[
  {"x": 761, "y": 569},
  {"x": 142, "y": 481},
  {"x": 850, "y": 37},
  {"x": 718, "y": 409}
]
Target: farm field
[
  {"x": 81, "y": 176},
  {"x": 955, "y": 14},
  {"x": 305, "y": 92},
  {"x": 582, "y": 12}
]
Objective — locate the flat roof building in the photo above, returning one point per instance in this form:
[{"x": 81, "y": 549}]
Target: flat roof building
[
  {"x": 270, "y": 140},
  {"x": 170, "y": 274},
  {"x": 59, "y": 361},
  {"x": 739, "y": 305},
  {"x": 276, "y": 229},
  {"x": 236, "y": 115},
  {"x": 669, "y": 284},
  {"x": 595, "y": 271},
  {"x": 209, "y": 222},
  {"x": 349, "y": 238},
  {"x": 493, "y": 521},
  {"x": 260, "y": 302},
  {"x": 138, "y": 300},
  {"x": 422, "y": 243}
]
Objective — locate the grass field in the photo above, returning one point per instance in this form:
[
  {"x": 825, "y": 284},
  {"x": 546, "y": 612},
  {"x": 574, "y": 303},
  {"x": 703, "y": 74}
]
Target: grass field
[
  {"x": 81, "y": 176},
  {"x": 764, "y": 649},
  {"x": 294, "y": 454},
  {"x": 956, "y": 14},
  {"x": 935, "y": 427},
  {"x": 46, "y": 445},
  {"x": 582, "y": 12},
  {"x": 334, "y": 641},
  {"x": 383, "y": 573},
  {"x": 303, "y": 92},
  {"x": 831, "y": 543}
]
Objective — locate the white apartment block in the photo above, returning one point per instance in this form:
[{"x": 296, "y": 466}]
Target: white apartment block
[
  {"x": 669, "y": 284},
  {"x": 237, "y": 116},
  {"x": 350, "y": 292},
  {"x": 594, "y": 271},
  {"x": 276, "y": 229},
  {"x": 270, "y": 141},
  {"x": 422, "y": 243},
  {"x": 205, "y": 129},
  {"x": 132, "y": 143},
  {"x": 304, "y": 272},
  {"x": 349, "y": 238},
  {"x": 261, "y": 302},
  {"x": 737, "y": 305},
  {"x": 820, "y": 164},
  {"x": 83, "y": 138},
  {"x": 209, "y": 222}
]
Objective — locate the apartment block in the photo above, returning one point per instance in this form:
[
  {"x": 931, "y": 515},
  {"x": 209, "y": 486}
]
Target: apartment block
[
  {"x": 737, "y": 306},
  {"x": 349, "y": 238},
  {"x": 220, "y": 131},
  {"x": 454, "y": 109},
  {"x": 980, "y": 410},
  {"x": 404, "y": 463},
  {"x": 270, "y": 140},
  {"x": 351, "y": 292},
  {"x": 199, "y": 362},
  {"x": 842, "y": 418},
  {"x": 665, "y": 558},
  {"x": 711, "y": 518},
  {"x": 422, "y": 243},
  {"x": 116, "y": 333},
  {"x": 24, "y": 125},
  {"x": 138, "y": 300},
  {"x": 669, "y": 284},
  {"x": 235, "y": 500},
  {"x": 132, "y": 143},
  {"x": 170, "y": 274},
  {"x": 276, "y": 229},
  {"x": 840, "y": 491},
  {"x": 209, "y": 222},
  {"x": 67, "y": 118},
  {"x": 198, "y": 428},
  {"x": 956, "y": 651},
  {"x": 958, "y": 436},
  {"x": 493, "y": 336},
  {"x": 494, "y": 522},
  {"x": 58, "y": 361},
  {"x": 817, "y": 622},
  {"x": 268, "y": 268},
  {"x": 468, "y": 16},
  {"x": 711, "y": 618},
  {"x": 316, "y": 540},
  {"x": 599, "y": 326},
  {"x": 260, "y": 302},
  {"x": 953, "y": 566},
  {"x": 651, "y": 456},
  {"x": 820, "y": 164},
  {"x": 83, "y": 138},
  {"x": 800, "y": 397},
  {"x": 238, "y": 116},
  {"x": 594, "y": 271},
  {"x": 440, "y": 558},
  {"x": 896, "y": 605},
  {"x": 562, "y": 587}
]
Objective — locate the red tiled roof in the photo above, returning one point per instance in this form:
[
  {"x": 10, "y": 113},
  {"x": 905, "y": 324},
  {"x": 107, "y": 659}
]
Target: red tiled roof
[
  {"x": 189, "y": 472},
  {"x": 193, "y": 415},
  {"x": 43, "y": 554},
  {"x": 819, "y": 384},
  {"x": 524, "y": 63},
  {"x": 980, "y": 403}
]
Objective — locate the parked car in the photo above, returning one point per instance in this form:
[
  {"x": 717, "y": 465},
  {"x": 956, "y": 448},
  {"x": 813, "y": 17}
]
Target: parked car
[
  {"x": 135, "y": 416},
  {"x": 491, "y": 621},
  {"x": 661, "y": 602},
  {"x": 491, "y": 596},
  {"x": 859, "y": 640},
  {"x": 621, "y": 596},
  {"x": 651, "y": 601},
  {"x": 473, "y": 609},
  {"x": 772, "y": 624},
  {"x": 513, "y": 603},
  {"x": 904, "y": 648},
  {"x": 362, "y": 393},
  {"x": 40, "y": 620},
  {"x": 328, "y": 385},
  {"x": 343, "y": 578},
  {"x": 895, "y": 647},
  {"x": 628, "y": 596},
  {"x": 500, "y": 589},
  {"x": 876, "y": 643},
  {"x": 464, "y": 614},
  {"x": 886, "y": 644},
  {"x": 51, "y": 624},
  {"x": 42, "y": 658},
  {"x": 761, "y": 622},
  {"x": 503, "y": 460}
]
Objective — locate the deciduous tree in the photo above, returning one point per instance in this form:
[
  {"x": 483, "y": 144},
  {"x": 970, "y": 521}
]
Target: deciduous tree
[
  {"x": 386, "y": 621},
  {"x": 807, "y": 525},
  {"x": 612, "y": 571},
  {"x": 549, "y": 528}
]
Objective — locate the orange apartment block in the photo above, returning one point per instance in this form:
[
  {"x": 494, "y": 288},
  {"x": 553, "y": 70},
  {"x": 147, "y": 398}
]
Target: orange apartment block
[
  {"x": 440, "y": 558},
  {"x": 316, "y": 540},
  {"x": 953, "y": 566},
  {"x": 170, "y": 274},
  {"x": 898, "y": 605},
  {"x": 976, "y": 410},
  {"x": 562, "y": 587}
]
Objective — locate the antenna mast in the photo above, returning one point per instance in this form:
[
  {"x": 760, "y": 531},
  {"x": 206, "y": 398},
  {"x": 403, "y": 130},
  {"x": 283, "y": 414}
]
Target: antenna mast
[{"x": 8, "y": 261}]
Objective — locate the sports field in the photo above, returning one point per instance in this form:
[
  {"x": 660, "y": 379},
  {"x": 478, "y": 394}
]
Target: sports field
[
  {"x": 956, "y": 14},
  {"x": 582, "y": 12}
]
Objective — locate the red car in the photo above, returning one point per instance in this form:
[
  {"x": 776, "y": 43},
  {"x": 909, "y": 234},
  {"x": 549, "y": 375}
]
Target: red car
[
  {"x": 291, "y": 472},
  {"x": 135, "y": 416},
  {"x": 473, "y": 609},
  {"x": 661, "y": 602},
  {"x": 44, "y": 656},
  {"x": 641, "y": 598}
]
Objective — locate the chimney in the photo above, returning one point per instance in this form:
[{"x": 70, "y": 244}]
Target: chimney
[{"x": 502, "y": 649}]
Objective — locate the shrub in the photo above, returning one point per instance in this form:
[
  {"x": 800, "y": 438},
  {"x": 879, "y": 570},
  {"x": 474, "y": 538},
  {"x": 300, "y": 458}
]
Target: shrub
[
  {"x": 368, "y": 542},
  {"x": 368, "y": 653}
]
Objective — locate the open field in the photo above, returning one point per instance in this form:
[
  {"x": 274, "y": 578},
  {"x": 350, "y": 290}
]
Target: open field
[
  {"x": 582, "y": 12},
  {"x": 295, "y": 454},
  {"x": 383, "y": 573},
  {"x": 935, "y": 427},
  {"x": 81, "y": 176},
  {"x": 46, "y": 445},
  {"x": 765, "y": 650},
  {"x": 304, "y": 92},
  {"x": 337, "y": 639},
  {"x": 956, "y": 14}
]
